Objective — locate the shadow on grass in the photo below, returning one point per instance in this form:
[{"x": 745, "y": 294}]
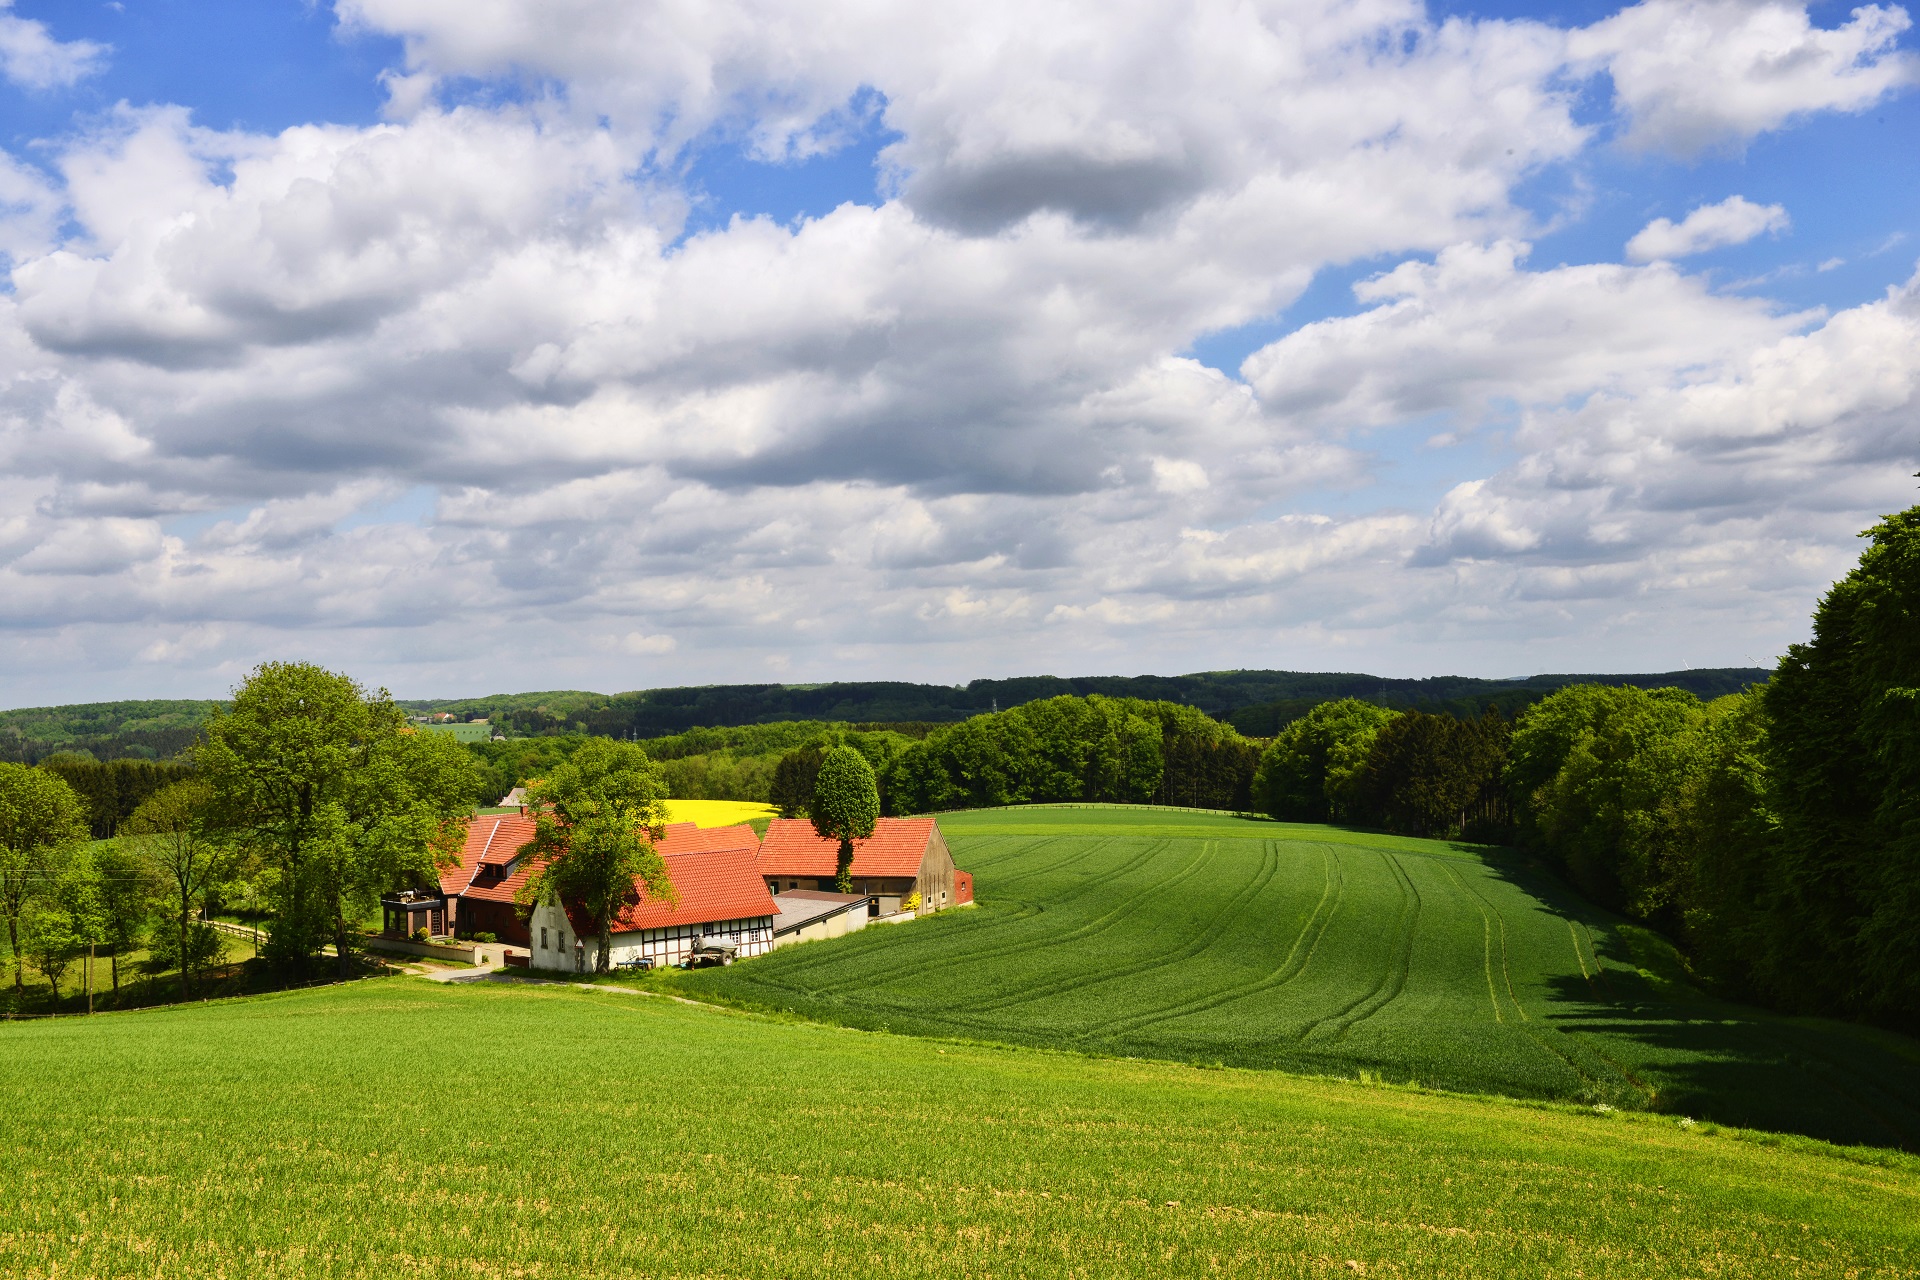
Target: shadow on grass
[
  {"x": 144, "y": 989},
  {"x": 1715, "y": 1059}
]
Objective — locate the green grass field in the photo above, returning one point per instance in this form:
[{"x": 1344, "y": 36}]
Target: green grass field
[
  {"x": 1209, "y": 939},
  {"x": 398, "y": 1128}
]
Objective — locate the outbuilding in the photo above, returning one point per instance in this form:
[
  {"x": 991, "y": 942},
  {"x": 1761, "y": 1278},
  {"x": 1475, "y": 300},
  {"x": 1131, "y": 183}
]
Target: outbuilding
[
  {"x": 805, "y": 915},
  {"x": 904, "y": 861}
]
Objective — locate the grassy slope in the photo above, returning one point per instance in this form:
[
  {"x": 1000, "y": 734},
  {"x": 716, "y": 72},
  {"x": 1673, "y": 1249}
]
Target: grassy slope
[
  {"x": 396, "y": 1128},
  {"x": 1206, "y": 939}
]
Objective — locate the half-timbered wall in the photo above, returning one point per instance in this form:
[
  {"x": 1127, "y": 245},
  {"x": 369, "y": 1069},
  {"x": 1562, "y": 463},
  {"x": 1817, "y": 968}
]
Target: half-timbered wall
[{"x": 671, "y": 944}]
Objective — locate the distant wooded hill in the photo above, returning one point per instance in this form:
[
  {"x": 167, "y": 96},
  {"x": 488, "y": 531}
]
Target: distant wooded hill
[{"x": 1257, "y": 703}]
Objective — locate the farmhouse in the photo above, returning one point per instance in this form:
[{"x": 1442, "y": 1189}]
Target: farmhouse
[
  {"x": 479, "y": 893},
  {"x": 480, "y": 890},
  {"x": 721, "y": 896},
  {"x": 904, "y": 859}
]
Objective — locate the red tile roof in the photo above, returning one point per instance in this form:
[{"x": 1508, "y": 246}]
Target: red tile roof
[
  {"x": 896, "y": 848},
  {"x": 713, "y": 869},
  {"x": 491, "y": 839},
  {"x": 685, "y": 837},
  {"x": 720, "y": 884}
]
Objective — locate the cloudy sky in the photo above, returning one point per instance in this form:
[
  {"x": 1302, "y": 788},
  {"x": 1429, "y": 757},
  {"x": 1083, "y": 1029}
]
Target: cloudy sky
[{"x": 472, "y": 345}]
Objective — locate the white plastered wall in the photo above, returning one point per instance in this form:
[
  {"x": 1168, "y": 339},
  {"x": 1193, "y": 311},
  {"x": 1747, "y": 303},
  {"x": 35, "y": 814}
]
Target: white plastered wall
[{"x": 551, "y": 943}]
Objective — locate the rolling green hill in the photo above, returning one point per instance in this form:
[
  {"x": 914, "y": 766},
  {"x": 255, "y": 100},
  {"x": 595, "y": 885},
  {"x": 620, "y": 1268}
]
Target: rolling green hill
[
  {"x": 395, "y": 1128},
  {"x": 1211, "y": 939}
]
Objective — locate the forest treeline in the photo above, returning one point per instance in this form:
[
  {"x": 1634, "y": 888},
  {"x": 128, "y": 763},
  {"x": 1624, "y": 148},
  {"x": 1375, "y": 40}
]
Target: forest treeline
[
  {"x": 1057, "y": 749},
  {"x": 1257, "y": 703}
]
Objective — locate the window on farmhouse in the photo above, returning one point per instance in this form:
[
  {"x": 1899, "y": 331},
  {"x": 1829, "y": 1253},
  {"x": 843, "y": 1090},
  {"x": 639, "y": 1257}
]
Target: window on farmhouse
[{"x": 543, "y": 939}]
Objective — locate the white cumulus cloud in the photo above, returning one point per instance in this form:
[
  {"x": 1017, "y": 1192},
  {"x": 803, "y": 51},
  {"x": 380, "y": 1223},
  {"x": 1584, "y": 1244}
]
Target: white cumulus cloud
[
  {"x": 1734, "y": 220},
  {"x": 1694, "y": 74},
  {"x": 31, "y": 58}
]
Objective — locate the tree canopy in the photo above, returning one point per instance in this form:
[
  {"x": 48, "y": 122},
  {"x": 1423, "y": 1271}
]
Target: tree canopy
[
  {"x": 1843, "y": 754},
  {"x": 596, "y": 816},
  {"x": 1307, "y": 773},
  {"x": 342, "y": 798},
  {"x": 40, "y": 818},
  {"x": 846, "y": 806},
  {"x": 171, "y": 828}
]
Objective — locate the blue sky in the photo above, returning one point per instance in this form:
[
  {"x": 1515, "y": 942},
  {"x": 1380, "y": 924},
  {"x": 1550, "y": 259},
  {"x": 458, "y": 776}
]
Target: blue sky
[{"x": 506, "y": 345}]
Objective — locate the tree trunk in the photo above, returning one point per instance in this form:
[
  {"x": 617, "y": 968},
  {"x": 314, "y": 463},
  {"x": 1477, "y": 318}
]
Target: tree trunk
[
  {"x": 340, "y": 943},
  {"x": 19, "y": 968},
  {"x": 186, "y": 979},
  {"x": 604, "y": 961},
  {"x": 843, "y": 875},
  {"x": 115, "y": 962}
]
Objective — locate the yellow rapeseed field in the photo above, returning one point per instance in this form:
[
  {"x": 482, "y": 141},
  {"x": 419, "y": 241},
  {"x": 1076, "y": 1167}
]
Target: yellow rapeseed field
[{"x": 718, "y": 813}]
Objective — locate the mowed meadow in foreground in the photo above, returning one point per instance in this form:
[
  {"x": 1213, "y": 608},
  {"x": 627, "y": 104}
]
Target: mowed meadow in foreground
[
  {"x": 1199, "y": 938},
  {"x": 396, "y": 1127}
]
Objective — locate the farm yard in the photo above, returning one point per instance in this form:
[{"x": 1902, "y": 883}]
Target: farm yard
[
  {"x": 285, "y": 1136},
  {"x": 1209, "y": 939}
]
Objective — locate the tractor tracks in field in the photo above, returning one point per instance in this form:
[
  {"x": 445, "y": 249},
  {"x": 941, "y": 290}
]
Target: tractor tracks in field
[
  {"x": 1305, "y": 943},
  {"x": 1551, "y": 1041},
  {"x": 998, "y": 923},
  {"x": 1210, "y": 935},
  {"x": 1399, "y": 967}
]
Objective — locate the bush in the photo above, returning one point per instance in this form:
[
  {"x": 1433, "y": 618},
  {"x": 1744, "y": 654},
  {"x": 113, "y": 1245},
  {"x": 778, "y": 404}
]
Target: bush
[
  {"x": 421, "y": 935},
  {"x": 206, "y": 946}
]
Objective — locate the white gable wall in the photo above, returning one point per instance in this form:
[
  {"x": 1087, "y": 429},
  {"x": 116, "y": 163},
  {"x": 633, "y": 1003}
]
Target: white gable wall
[{"x": 551, "y": 943}]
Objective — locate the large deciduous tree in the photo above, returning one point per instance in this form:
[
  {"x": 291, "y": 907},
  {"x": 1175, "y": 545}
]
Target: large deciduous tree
[
  {"x": 596, "y": 816},
  {"x": 341, "y": 797},
  {"x": 40, "y": 819},
  {"x": 128, "y": 889},
  {"x": 1310, "y": 771},
  {"x": 846, "y": 805},
  {"x": 1432, "y": 775},
  {"x": 170, "y": 828},
  {"x": 1602, "y": 771}
]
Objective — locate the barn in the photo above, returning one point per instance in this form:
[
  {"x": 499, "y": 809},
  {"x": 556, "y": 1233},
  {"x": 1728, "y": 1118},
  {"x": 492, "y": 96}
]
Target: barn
[{"x": 903, "y": 857}]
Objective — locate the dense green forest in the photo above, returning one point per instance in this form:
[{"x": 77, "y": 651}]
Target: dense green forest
[
  {"x": 149, "y": 730},
  {"x": 1257, "y": 703}
]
